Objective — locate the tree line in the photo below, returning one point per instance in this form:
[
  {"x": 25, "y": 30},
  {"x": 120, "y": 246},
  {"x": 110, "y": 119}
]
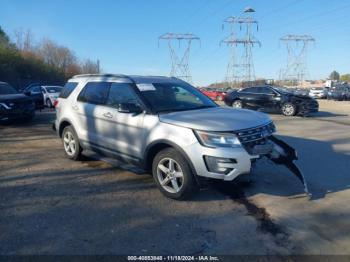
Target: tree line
[
  {"x": 24, "y": 61},
  {"x": 336, "y": 76}
]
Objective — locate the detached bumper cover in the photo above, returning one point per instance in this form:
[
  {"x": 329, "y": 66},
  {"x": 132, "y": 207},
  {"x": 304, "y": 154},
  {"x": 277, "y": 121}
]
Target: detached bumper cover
[
  {"x": 283, "y": 154},
  {"x": 308, "y": 107}
]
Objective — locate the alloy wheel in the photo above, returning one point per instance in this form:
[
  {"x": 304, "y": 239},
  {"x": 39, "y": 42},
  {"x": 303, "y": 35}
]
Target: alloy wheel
[
  {"x": 170, "y": 175},
  {"x": 288, "y": 109},
  {"x": 69, "y": 143}
]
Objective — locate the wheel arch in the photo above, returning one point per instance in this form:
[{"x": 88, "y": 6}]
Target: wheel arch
[
  {"x": 158, "y": 145},
  {"x": 63, "y": 124}
]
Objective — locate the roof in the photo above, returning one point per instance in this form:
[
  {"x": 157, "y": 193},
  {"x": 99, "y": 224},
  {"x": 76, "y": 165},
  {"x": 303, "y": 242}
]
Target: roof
[{"x": 134, "y": 78}]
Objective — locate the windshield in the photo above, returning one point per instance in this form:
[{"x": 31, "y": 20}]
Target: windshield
[
  {"x": 53, "y": 89},
  {"x": 6, "y": 89},
  {"x": 169, "y": 97}
]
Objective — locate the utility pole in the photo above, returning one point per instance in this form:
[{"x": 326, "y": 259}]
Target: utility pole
[
  {"x": 180, "y": 62},
  {"x": 240, "y": 68},
  {"x": 297, "y": 48}
]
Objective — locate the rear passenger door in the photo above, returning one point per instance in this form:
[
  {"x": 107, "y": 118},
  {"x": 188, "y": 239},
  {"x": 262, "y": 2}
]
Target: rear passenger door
[
  {"x": 90, "y": 112},
  {"x": 267, "y": 99},
  {"x": 250, "y": 97}
]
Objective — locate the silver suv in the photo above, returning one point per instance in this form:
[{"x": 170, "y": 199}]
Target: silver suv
[{"x": 164, "y": 125}]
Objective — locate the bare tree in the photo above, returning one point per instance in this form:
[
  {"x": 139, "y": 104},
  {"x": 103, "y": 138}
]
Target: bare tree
[
  {"x": 90, "y": 67},
  {"x": 57, "y": 55},
  {"x": 24, "y": 40}
]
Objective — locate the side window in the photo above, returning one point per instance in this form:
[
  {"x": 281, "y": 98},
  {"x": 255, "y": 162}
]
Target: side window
[
  {"x": 250, "y": 90},
  {"x": 184, "y": 96},
  {"x": 94, "y": 93},
  {"x": 68, "y": 89},
  {"x": 36, "y": 89},
  {"x": 121, "y": 93},
  {"x": 265, "y": 90}
]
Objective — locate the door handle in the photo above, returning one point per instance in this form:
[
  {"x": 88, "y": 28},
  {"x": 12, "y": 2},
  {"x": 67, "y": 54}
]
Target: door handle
[
  {"x": 75, "y": 107},
  {"x": 108, "y": 115}
]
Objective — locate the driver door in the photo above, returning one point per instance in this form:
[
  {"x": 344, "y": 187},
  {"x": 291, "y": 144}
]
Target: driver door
[{"x": 122, "y": 130}]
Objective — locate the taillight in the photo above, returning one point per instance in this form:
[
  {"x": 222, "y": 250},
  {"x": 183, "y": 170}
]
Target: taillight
[{"x": 55, "y": 103}]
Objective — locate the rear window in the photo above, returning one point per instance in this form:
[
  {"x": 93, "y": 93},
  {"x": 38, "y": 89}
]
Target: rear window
[{"x": 68, "y": 89}]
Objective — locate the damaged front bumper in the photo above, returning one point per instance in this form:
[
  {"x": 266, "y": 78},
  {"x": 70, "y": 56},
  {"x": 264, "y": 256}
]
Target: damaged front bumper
[{"x": 280, "y": 153}]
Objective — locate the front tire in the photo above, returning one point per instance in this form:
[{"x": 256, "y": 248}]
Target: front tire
[
  {"x": 71, "y": 144},
  {"x": 288, "y": 109},
  {"x": 173, "y": 175}
]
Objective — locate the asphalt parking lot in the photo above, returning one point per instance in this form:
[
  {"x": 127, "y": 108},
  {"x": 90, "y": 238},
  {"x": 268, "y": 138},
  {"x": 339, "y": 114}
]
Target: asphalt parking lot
[{"x": 51, "y": 205}]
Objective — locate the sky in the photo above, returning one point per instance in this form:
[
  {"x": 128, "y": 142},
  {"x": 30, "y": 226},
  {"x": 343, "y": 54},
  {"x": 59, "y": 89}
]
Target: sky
[{"x": 123, "y": 34}]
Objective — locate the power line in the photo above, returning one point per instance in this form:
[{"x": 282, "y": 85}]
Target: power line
[
  {"x": 240, "y": 68},
  {"x": 296, "y": 69},
  {"x": 180, "y": 62}
]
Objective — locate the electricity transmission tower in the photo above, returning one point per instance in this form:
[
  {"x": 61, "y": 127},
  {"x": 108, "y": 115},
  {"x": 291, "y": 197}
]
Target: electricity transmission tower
[
  {"x": 296, "y": 69},
  {"x": 180, "y": 61},
  {"x": 240, "y": 68}
]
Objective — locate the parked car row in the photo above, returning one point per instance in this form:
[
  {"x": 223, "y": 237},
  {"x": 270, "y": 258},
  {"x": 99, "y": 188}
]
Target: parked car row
[
  {"x": 339, "y": 93},
  {"x": 43, "y": 95},
  {"x": 21, "y": 105},
  {"x": 214, "y": 94}
]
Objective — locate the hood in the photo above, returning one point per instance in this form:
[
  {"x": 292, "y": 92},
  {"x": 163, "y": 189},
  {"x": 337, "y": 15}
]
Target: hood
[
  {"x": 14, "y": 97},
  {"x": 216, "y": 119}
]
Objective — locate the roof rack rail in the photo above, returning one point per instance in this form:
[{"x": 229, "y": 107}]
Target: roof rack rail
[{"x": 101, "y": 75}]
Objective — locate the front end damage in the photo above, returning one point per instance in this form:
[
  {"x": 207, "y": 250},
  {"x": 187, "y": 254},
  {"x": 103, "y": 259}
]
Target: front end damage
[
  {"x": 261, "y": 143},
  {"x": 284, "y": 154}
]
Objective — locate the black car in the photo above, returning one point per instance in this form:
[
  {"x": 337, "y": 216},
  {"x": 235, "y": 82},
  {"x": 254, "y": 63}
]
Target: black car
[
  {"x": 273, "y": 99},
  {"x": 35, "y": 91},
  {"x": 14, "y": 105}
]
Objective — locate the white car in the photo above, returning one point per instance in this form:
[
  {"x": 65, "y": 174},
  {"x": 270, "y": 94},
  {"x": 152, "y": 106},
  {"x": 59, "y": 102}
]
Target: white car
[
  {"x": 317, "y": 93},
  {"x": 50, "y": 94}
]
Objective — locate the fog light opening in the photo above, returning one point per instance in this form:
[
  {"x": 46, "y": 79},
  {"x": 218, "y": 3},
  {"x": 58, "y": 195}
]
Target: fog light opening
[{"x": 219, "y": 165}]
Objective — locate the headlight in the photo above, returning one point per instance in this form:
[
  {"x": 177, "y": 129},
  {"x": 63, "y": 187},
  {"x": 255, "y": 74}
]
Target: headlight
[
  {"x": 3, "y": 105},
  {"x": 212, "y": 139}
]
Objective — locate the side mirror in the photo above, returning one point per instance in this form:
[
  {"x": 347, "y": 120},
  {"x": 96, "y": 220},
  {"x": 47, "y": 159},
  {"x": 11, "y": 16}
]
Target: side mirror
[
  {"x": 27, "y": 93},
  {"x": 129, "y": 108}
]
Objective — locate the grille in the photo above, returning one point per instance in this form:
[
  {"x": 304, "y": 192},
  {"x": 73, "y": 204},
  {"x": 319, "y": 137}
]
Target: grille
[
  {"x": 255, "y": 136},
  {"x": 256, "y": 133}
]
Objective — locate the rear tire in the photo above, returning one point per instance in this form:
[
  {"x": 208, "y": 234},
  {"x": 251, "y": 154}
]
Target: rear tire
[
  {"x": 71, "y": 144},
  {"x": 48, "y": 103},
  {"x": 172, "y": 175},
  {"x": 288, "y": 109}
]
